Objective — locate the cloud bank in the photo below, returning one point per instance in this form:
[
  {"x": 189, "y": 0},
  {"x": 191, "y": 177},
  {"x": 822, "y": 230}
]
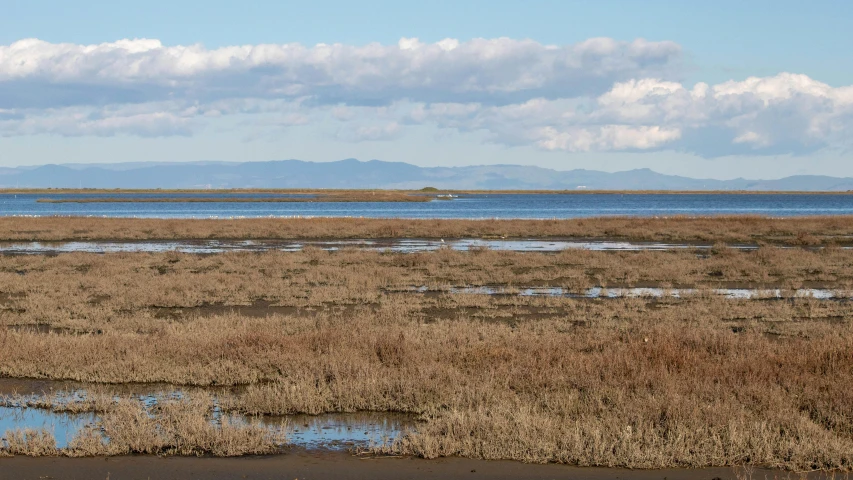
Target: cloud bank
[
  {"x": 782, "y": 114},
  {"x": 597, "y": 95},
  {"x": 491, "y": 71}
]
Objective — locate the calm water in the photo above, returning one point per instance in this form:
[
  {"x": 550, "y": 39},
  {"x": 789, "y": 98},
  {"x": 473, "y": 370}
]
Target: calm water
[
  {"x": 467, "y": 206},
  {"x": 327, "y": 431}
]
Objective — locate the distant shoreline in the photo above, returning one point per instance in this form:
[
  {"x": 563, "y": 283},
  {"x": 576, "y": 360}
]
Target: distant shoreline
[
  {"x": 345, "y": 197},
  {"x": 341, "y": 194}
]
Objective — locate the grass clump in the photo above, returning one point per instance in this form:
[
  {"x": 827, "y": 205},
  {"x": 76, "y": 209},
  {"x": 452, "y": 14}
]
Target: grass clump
[
  {"x": 30, "y": 442},
  {"x": 174, "y": 427}
]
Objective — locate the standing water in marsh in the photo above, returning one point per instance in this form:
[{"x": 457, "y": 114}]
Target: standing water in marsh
[{"x": 41, "y": 404}]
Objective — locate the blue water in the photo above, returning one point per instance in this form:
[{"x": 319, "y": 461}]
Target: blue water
[
  {"x": 467, "y": 206},
  {"x": 63, "y": 426}
]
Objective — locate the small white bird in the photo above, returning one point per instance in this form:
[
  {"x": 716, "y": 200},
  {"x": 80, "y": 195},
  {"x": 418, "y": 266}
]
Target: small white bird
[{"x": 442, "y": 240}]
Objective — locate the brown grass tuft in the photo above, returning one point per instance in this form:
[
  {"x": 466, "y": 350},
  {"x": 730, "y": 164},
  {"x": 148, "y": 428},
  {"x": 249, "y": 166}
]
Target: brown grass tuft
[
  {"x": 177, "y": 427},
  {"x": 30, "y": 442}
]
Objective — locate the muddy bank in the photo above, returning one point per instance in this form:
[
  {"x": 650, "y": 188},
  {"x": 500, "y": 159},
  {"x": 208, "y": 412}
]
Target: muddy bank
[
  {"x": 66, "y": 388},
  {"x": 305, "y": 465}
]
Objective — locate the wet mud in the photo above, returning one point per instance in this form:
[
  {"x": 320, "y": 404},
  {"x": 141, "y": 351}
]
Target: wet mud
[{"x": 311, "y": 465}]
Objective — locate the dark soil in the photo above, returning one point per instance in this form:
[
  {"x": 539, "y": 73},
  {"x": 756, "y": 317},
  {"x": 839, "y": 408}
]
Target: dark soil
[{"x": 304, "y": 465}]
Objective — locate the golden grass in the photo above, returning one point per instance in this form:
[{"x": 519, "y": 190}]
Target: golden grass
[
  {"x": 179, "y": 427},
  {"x": 84, "y": 292},
  {"x": 31, "y": 442},
  {"x": 730, "y": 229},
  {"x": 691, "y": 382}
]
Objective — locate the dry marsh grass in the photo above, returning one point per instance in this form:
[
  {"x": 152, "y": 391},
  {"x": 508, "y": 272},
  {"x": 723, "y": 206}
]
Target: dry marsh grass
[
  {"x": 31, "y": 442},
  {"x": 731, "y": 229},
  {"x": 178, "y": 427},
  {"x": 84, "y": 292},
  {"x": 697, "y": 381}
]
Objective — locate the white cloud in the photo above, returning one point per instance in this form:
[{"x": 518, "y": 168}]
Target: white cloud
[
  {"x": 143, "y": 120},
  {"x": 372, "y": 133},
  {"x": 596, "y": 95},
  {"x": 782, "y": 114},
  {"x": 496, "y": 70},
  {"x": 606, "y": 137}
]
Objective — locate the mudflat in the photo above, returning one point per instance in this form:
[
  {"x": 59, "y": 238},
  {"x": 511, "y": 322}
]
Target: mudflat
[{"x": 329, "y": 465}]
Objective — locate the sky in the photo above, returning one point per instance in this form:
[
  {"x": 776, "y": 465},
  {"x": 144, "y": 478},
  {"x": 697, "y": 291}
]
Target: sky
[{"x": 723, "y": 89}]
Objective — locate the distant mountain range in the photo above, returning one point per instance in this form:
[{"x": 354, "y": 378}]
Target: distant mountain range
[{"x": 352, "y": 173}]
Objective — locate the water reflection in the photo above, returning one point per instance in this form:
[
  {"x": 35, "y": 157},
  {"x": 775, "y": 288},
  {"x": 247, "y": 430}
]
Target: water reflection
[
  {"x": 39, "y": 404},
  {"x": 645, "y": 292},
  {"x": 398, "y": 246},
  {"x": 64, "y": 426}
]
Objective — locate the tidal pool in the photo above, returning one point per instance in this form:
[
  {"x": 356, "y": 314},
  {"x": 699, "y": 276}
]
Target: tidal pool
[
  {"x": 643, "y": 292},
  {"x": 325, "y": 431}
]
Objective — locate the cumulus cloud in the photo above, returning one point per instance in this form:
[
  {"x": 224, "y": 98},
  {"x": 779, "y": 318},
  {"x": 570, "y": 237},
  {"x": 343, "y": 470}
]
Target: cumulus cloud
[
  {"x": 597, "y": 95},
  {"x": 605, "y": 137},
  {"x": 782, "y": 114},
  {"x": 786, "y": 113},
  {"x": 495, "y": 70}
]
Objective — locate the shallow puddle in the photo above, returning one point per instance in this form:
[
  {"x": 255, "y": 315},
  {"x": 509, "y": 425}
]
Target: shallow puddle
[
  {"x": 63, "y": 425},
  {"x": 643, "y": 292},
  {"x": 327, "y": 431},
  {"x": 341, "y": 430},
  {"x": 400, "y": 246},
  {"x": 22, "y": 409}
]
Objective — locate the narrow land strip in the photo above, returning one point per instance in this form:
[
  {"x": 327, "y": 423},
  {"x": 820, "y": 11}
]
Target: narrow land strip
[
  {"x": 801, "y": 231},
  {"x": 339, "y": 197}
]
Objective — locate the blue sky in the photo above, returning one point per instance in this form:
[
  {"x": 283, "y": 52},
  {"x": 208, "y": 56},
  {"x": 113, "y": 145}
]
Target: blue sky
[{"x": 716, "y": 89}]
